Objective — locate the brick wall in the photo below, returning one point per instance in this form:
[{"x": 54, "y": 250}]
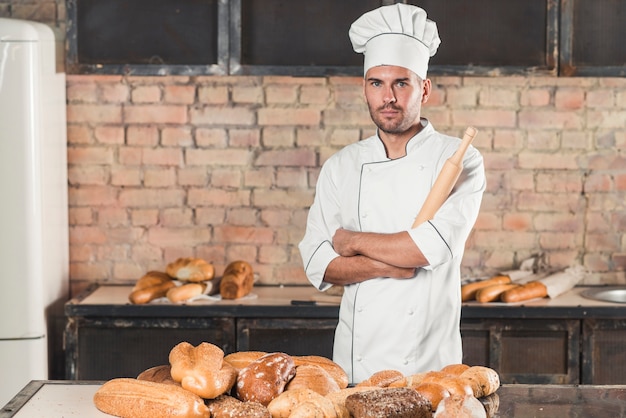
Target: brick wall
[{"x": 224, "y": 168}]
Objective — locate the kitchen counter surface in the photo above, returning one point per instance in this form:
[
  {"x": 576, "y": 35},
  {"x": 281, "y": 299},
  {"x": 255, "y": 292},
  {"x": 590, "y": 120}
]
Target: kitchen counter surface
[
  {"x": 276, "y": 301},
  {"x": 56, "y": 399}
]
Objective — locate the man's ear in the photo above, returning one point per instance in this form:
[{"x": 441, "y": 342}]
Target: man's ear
[{"x": 426, "y": 90}]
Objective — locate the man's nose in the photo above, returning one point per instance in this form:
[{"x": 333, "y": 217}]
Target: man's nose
[{"x": 389, "y": 96}]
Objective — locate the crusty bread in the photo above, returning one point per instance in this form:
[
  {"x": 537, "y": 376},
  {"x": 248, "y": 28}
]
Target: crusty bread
[
  {"x": 460, "y": 406},
  {"x": 186, "y": 291},
  {"x": 389, "y": 402},
  {"x": 283, "y": 405},
  {"x": 202, "y": 369},
  {"x": 132, "y": 398},
  {"x": 265, "y": 378},
  {"x": 312, "y": 376},
  {"x": 191, "y": 269},
  {"x": 382, "y": 378},
  {"x": 237, "y": 280},
  {"x": 456, "y": 368},
  {"x": 335, "y": 370},
  {"x": 240, "y": 359},
  {"x": 159, "y": 374},
  {"x": 434, "y": 392},
  {"x": 484, "y": 380},
  {"x": 150, "y": 286}
]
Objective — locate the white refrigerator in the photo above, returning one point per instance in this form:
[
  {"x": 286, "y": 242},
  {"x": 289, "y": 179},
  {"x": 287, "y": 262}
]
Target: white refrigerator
[{"x": 34, "y": 261}]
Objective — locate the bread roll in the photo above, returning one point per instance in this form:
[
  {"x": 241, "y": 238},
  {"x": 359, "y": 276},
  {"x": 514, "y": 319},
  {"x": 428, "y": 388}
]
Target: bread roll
[
  {"x": 434, "y": 392},
  {"x": 191, "y": 269},
  {"x": 185, "y": 292},
  {"x": 283, "y": 405},
  {"x": 410, "y": 381},
  {"x": 485, "y": 380},
  {"x": 339, "y": 398},
  {"x": 455, "y": 369},
  {"x": 456, "y": 385},
  {"x": 237, "y": 281},
  {"x": 460, "y": 406},
  {"x": 158, "y": 374},
  {"x": 225, "y": 406},
  {"x": 318, "y": 407},
  {"x": 241, "y": 359},
  {"x": 265, "y": 378},
  {"x": 382, "y": 378},
  {"x": 388, "y": 402},
  {"x": 151, "y": 286},
  {"x": 335, "y": 370},
  {"x": 528, "y": 291},
  {"x": 468, "y": 291},
  {"x": 132, "y": 398},
  {"x": 312, "y": 376},
  {"x": 202, "y": 369},
  {"x": 492, "y": 293}
]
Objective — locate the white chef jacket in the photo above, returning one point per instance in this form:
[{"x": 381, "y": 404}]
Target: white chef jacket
[{"x": 409, "y": 325}]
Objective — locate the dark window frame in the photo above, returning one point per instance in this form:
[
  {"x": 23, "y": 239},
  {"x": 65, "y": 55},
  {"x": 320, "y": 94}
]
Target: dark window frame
[{"x": 559, "y": 58}]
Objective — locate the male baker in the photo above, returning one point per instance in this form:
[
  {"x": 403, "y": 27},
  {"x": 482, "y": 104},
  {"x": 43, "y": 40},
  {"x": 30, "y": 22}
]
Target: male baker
[{"x": 401, "y": 299}]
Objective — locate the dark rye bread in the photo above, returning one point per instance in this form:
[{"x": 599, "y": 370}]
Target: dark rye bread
[{"x": 388, "y": 403}]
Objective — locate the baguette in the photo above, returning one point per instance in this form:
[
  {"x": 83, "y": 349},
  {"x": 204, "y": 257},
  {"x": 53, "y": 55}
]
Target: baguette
[
  {"x": 492, "y": 293},
  {"x": 148, "y": 294},
  {"x": 132, "y": 398},
  {"x": 185, "y": 291},
  {"x": 468, "y": 291},
  {"x": 530, "y": 290}
]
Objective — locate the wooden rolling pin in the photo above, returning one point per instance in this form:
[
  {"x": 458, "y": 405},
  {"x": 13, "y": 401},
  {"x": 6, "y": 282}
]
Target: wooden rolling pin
[{"x": 446, "y": 180}]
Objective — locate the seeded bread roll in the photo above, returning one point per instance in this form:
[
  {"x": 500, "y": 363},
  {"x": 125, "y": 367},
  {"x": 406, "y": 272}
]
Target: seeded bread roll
[
  {"x": 225, "y": 406},
  {"x": 132, "y": 398},
  {"x": 265, "y": 378},
  {"x": 389, "y": 403}
]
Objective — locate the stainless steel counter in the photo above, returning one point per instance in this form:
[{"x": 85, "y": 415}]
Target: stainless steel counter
[{"x": 56, "y": 399}]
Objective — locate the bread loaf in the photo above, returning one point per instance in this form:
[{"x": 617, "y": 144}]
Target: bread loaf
[
  {"x": 158, "y": 374},
  {"x": 237, "y": 281},
  {"x": 410, "y": 381},
  {"x": 468, "y": 291},
  {"x": 460, "y": 407},
  {"x": 389, "y": 403},
  {"x": 485, "y": 380},
  {"x": 132, "y": 398},
  {"x": 185, "y": 292},
  {"x": 151, "y": 286},
  {"x": 333, "y": 369},
  {"x": 432, "y": 391},
  {"x": 456, "y": 385},
  {"x": 225, "y": 406},
  {"x": 240, "y": 359},
  {"x": 528, "y": 291},
  {"x": 283, "y": 405},
  {"x": 265, "y": 378},
  {"x": 191, "y": 269},
  {"x": 317, "y": 407},
  {"x": 312, "y": 376},
  {"x": 492, "y": 293},
  {"x": 339, "y": 398},
  {"x": 202, "y": 369},
  {"x": 455, "y": 369},
  {"x": 382, "y": 378}
]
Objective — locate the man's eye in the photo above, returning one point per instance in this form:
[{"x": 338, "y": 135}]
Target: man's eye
[{"x": 401, "y": 84}]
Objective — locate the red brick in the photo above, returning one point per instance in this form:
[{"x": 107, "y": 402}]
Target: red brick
[
  {"x": 224, "y": 178},
  {"x": 146, "y": 198},
  {"x": 606, "y": 119},
  {"x": 537, "y": 160},
  {"x": 517, "y": 222},
  {"x": 146, "y": 94},
  {"x": 485, "y": 118},
  {"x": 114, "y": 92},
  {"x": 144, "y": 217},
  {"x": 163, "y": 156},
  {"x": 346, "y": 118},
  {"x": 221, "y": 115},
  {"x": 243, "y": 234},
  {"x": 535, "y": 97},
  {"x": 192, "y": 176},
  {"x": 146, "y": 135},
  {"x": 288, "y": 157},
  {"x": 155, "y": 114},
  {"x": 187, "y": 237},
  {"x": 80, "y": 216},
  {"x": 278, "y": 137},
  {"x": 283, "y": 198},
  {"x": 87, "y": 235},
  {"x": 282, "y": 94},
  {"x": 159, "y": 178},
  {"x": 549, "y": 119},
  {"x": 288, "y": 116},
  {"x": 244, "y": 138},
  {"x": 92, "y": 196},
  {"x": 109, "y": 134},
  {"x": 87, "y": 175},
  {"x": 179, "y": 94},
  {"x": 82, "y": 92},
  {"x": 172, "y": 217},
  {"x": 314, "y": 95},
  {"x": 243, "y": 252},
  {"x": 79, "y": 134},
  {"x": 94, "y": 113},
  {"x": 569, "y": 98},
  {"x": 213, "y": 94},
  {"x": 217, "y": 197},
  {"x": 112, "y": 217},
  {"x": 242, "y": 217},
  {"x": 212, "y": 157},
  {"x": 272, "y": 254},
  {"x": 217, "y": 138},
  {"x": 179, "y": 136}
]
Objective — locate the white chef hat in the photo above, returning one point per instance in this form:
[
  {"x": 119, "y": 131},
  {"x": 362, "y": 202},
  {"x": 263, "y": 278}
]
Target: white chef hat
[{"x": 399, "y": 34}]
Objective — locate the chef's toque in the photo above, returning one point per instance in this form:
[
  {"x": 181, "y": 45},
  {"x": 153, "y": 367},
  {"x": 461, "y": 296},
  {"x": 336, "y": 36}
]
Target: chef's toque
[{"x": 399, "y": 34}]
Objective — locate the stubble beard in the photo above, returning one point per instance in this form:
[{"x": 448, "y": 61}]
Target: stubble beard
[{"x": 398, "y": 125}]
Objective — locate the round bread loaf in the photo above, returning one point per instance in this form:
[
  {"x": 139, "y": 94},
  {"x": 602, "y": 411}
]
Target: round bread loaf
[
  {"x": 333, "y": 369},
  {"x": 191, "y": 269},
  {"x": 484, "y": 380},
  {"x": 265, "y": 378},
  {"x": 382, "y": 378}
]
